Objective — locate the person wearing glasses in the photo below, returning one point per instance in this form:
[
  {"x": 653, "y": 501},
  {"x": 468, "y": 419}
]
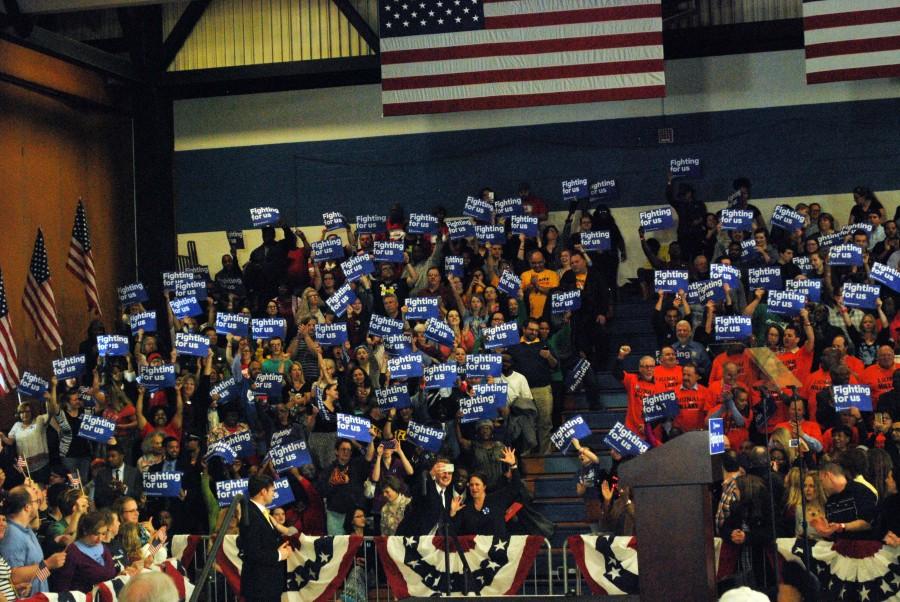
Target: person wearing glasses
[
  {"x": 88, "y": 561},
  {"x": 537, "y": 284},
  {"x": 29, "y": 435}
]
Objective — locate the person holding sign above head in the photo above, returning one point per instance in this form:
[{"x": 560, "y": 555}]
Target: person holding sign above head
[
  {"x": 797, "y": 359},
  {"x": 870, "y": 336},
  {"x": 264, "y": 571},
  {"x": 268, "y": 264}
]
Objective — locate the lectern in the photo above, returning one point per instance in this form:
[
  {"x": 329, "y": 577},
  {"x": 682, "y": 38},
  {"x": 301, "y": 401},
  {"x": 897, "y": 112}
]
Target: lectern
[{"x": 674, "y": 518}]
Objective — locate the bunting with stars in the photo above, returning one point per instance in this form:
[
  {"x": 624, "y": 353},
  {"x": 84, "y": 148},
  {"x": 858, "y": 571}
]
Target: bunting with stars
[{"x": 414, "y": 566}]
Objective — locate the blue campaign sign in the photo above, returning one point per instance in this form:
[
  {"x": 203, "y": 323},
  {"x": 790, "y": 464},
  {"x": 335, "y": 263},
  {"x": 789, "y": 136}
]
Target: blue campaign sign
[
  {"x": 440, "y": 332},
  {"x": 460, "y": 228},
  {"x": 804, "y": 265},
  {"x": 524, "y": 224},
  {"x": 268, "y": 384},
  {"x": 221, "y": 450},
  {"x": 886, "y": 275},
  {"x": 354, "y": 427},
  {"x": 768, "y": 278},
  {"x": 686, "y": 167},
  {"x": 389, "y": 250},
  {"x": 371, "y": 224},
  {"x": 661, "y": 218},
  {"x": 185, "y": 307},
  {"x": 290, "y": 455},
  {"x": 490, "y": 234},
  {"x": 421, "y": 308},
  {"x": 96, "y": 428},
  {"x": 194, "y": 288},
  {"x": 670, "y": 281},
  {"x": 241, "y": 442},
  {"x": 264, "y": 216},
  {"x": 809, "y": 287},
  {"x": 502, "y": 335},
  {"x": 575, "y": 376},
  {"x": 733, "y": 328},
  {"x": 341, "y": 299},
  {"x": 479, "y": 209},
  {"x": 749, "y": 249},
  {"x": 596, "y": 240},
  {"x": 736, "y": 219},
  {"x": 333, "y": 220},
  {"x": 424, "y": 436},
  {"x": 112, "y": 345},
  {"x": 357, "y": 266},
  {"x": 786, "y": 303},
  {"x": 573, "y": 428},
  {"x": 226, "y": 490},
  {"x": 787, "y": 219},
  {"x": 268, "y": 328},
  {"x": 509, "y": 284},
  {"x": 397, "y": 344},
  {"x": 477, "y": 408},
  {"x": 191, "y": 344},
  {"x": 284, "y": 495},
  {"x": 509, "y": 206},
  {"x": 604, "y": 190},
  {"x": 852, "y": 396},
  {"x": 835, "y": 238},
  {"x": 145, "y": 321},
  {"x": 157, "y": 377},
  {"x": 170, "y": 279},
  {"x": 699, "y": 293},
  {"x": 133, "y": 293},
  {"x": 575, "y": 189},
  {"x": 440, "y": 376},
  {"x": 233, "y": 324},
  {"x": 329, "y": 335},
  {"x": 660, "y": 406},
  {"x": 234, "y": 286},
  {"x": 454, "y": 265},
  {"x": 499, "y": 392},
  {"x": 330, "y": 249},
  {"x": 227, "y": 390},
  {"x": 286, "y": 435},
  {"x": 563, "y": 301},
  {"x": 394, "y": 397},
  {"x": 200, "y": 272},
  {"x": 728, "y": 274},
  {"x": 848, "y": 254},
  {"x": 625, "y": 441},
  {"x": 716, "y": 436},
  {"x": 162, "y": 484},
  {"x": 69, "y": 367},
  {"x": 235, "y": 239},
  {"x": 482, "y": 365},
  {"x": 406, "y": 366},
  {"x": 382, "y": 326},
  {"x": 422, "y": 223},
  {"x": 32, "y": 385},
  {"x": 863, "y": 296}
]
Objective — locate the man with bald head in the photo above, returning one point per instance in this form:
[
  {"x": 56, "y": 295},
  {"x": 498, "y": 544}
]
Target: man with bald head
[
  {"x": 880, "y": 375},
  {"x": 668, "y": 373},
  {"x": 149, "y": 587},
  {"x": 688, "y": 350}
]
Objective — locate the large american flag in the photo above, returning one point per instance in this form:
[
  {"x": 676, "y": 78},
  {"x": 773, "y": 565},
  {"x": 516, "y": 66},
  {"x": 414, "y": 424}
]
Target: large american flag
[
  {"x": 462, "y": 55},
  {"x": 81, "y": 260},
  {"x": 851, "y": 39},
  {"x": 9, "y": 368},
  {"x": 38, "y": 301}
]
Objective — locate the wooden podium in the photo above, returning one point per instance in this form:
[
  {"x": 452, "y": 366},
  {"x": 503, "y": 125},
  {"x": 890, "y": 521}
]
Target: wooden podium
[{"x": 674, "y": 518}]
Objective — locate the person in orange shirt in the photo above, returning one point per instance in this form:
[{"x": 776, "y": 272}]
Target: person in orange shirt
[
  {"x": 694, "y": 401},
  {"x": 857, "y": 367},
  {"x": 730, "y": 380},
  {"x": 537, "y": 283},
  {"x": 880, "y": 375},
  {"x": 800, "y": 427},
  {"x": 736, "y": 353},
  {"x": 668, "y": 373},
  {"x": 735, "y": 409},
  {"x": 798, "y": 359},
  {"x": 819, "y": 380},
  {"x": 637, "y": 386}
]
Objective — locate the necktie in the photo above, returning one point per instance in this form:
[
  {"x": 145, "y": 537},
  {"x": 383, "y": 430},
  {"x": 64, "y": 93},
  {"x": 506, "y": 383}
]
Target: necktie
[
  {"x": 269, "y": 518},
  {"x": 443, "y": 499}
]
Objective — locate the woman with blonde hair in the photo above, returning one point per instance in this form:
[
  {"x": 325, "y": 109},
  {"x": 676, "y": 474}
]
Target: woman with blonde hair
[
  {"x": 815, "y": 501},
  {"x": 780, "y": 439}
]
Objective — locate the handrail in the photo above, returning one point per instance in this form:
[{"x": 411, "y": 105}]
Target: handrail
[{"x": 217, "y": 545}]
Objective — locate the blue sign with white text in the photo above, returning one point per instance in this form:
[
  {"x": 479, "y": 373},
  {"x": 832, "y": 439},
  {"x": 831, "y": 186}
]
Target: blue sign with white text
[
  {"x": 382, "y": 326},
  {"x": 427, "y": 437},
  {"x": 573, "y": 428},
  {"x": 69, "y": 367},
  {"x": 194, "y": 288},
  {"x": 509, "y": 206},
  {"x": 157, "y": 377},
  {"x": 353, "y": 427},
  {"x": 32, "y": 385},
  {"x": 686, "y": 167},
  {"x": 422, "y": 223},
  {"x": 728, "y": 274},
  {"x": 852, "y": 396},
  {"x": 479, "y": 209},
  {"x": 96, "y": 428},
  {"x": 490, "y": 234},
  {"x": 234, "y": 324},
  {"x": 563, "y": 301},
  {"x": 575, "y": 189},
  {"x": 145, "y": 321},
  {"x": 460, "y": 228},
  {"x": 625, "y": 441},
  {"x": 389, "y": 250},
  {"x": 454, "y": 265},
  {"x": 185, "y": 307},
  {"x": 848, "y": 254},
  {"x": 112, "y": 345},
  {"x": 787, "y": 219},
  {"x": 596, "y": 240},
  {"x": 394, "y": 397},
  {"x": 440, "y": 332},
  {"x": 862, "y": 296},
  {"x": 264, "y": 216},
  {"x": 498, "y": 391},
  {"x": 162, "y": 484},
  {"x": 440, "y": 376},
  {"x": 477, "y": 408},
  {"x": 502, "y": 335},
  {"x": 661, "y": 218},
  {"x": 886, "y": 275},
  {"x": 133, "y": 293},
  {"x": 736, "y": 219},
  {"x": 768, "y": 278},
  {"x": 733, "y": 328},
  {"x": 290, "y": 455},
  {"x": 268, "y": 328},
  {"x": 371, "y": 224},
  {"x": 406, "y": 366},
  {"x": 329, "y": 335},
  {"x": 330, "y": 249},
  {"x": 716, "y": 436},
  {"x": 341, "y": 299},
  {"x": 509, "y": 284},
  {"x": 333, "y": 220},
  {"x": 698, "y": 293},
  {"x": 422, "y": 308},
  {"x": 482, "y": 365},
  {"x": 196, "y": 345},
  {"x": 603, "y": 190},
  {"x": 524, "y": 224},
  {"x": 670, "y": 281},
  {"x": 660, "y": 406},
  {"x": 808, "y": 287},
  {"x": 787, "y": 303},
  {"x": 357, "y": 266}
]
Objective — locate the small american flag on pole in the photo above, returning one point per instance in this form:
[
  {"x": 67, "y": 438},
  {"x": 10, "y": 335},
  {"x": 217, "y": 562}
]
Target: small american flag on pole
[
  {"x": 81, "y": 259},
  {"x": 154, "y": 547},
  {"x": 9, "y": 368},
  {"x": 463, "y": 55},
  {"x": 39, "y": 303},
  {"x": 43, "y": 572},
  {"x": 22, "y": 464},
  {"x": 74, "y": 481}
]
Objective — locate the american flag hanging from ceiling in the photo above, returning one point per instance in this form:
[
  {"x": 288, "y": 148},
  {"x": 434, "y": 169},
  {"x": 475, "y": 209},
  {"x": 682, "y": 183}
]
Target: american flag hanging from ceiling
[
  {"x": 39, "y": 302},
  {"x": 81, "y": 258},
  {"x": 442, "y": 56}
]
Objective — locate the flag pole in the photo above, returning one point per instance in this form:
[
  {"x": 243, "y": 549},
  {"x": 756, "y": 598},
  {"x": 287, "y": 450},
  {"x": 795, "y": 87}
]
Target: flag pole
[{"x": 80, "y": 482}]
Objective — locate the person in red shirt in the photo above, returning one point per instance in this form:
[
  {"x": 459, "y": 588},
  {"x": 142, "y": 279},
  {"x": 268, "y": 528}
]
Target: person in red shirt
[
  {"x": 694, "y": 401},
  {"x": 798, "y": 359},
  {"x": 637, "y": 386},
  {"x": 857, "y": 367},
  {"x": 668, "y": 373},
  {"x": 160, "y": 420},
  {"x": 730, "y": 379},
  {"x": 819, "y": 380},
  {"x": 737, "y": 354},
  {"x": 880, "y": 375},
  {"x": 801, "y": 428},
  {"x": 735, "y": 409}
]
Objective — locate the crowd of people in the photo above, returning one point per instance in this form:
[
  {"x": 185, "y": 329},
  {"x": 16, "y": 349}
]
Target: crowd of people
[{"x": 77, "y": 509}]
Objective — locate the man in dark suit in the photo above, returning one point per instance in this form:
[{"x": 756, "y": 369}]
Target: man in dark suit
[
  {"x": 431, "y": 499},
  {"x": 116, "y": 479},
  {"x": 589, "y": 335},
  {"x": 264, "y": 574}
]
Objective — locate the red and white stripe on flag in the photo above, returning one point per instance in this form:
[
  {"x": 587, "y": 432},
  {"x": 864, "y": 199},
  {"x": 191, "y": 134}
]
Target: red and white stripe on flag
[
  {"x": 109, "y": 591},
  {"x": 9, "y": 359},
  {"x": 851, "y": 39},
  {"x": 38, "y": 301},
  {"x": 522, "y": 53},
  {"x": 63, "y": 597},
  {"x": 81, "y": 258}
]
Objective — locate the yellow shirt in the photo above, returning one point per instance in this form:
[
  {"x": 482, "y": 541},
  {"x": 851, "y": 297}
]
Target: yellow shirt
[{"x": 546, "y": 279}]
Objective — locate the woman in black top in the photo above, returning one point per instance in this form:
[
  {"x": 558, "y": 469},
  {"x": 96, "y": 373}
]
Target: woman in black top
[{"x": 483, "y": 513}]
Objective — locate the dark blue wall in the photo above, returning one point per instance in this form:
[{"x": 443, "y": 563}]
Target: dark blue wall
[{"x": 787, "y": 152}]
